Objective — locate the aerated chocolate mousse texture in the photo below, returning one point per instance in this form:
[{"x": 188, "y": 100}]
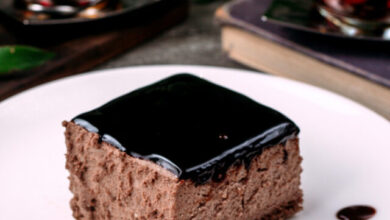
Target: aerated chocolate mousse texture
[{"x": 183, "y": 148}]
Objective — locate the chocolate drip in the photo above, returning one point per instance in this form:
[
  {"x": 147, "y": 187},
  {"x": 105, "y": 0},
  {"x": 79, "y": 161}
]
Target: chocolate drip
[
  {"x": 358, "y": 212},
  {"x": 190, "y": 126}
]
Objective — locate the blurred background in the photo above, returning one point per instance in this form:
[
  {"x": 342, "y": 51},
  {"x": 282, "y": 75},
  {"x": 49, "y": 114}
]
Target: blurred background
[{"x": 339, "y": 45}]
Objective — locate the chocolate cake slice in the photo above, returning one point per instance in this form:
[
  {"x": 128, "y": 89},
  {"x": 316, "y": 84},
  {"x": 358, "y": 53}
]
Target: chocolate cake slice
[{"x": 183, "y": 148}]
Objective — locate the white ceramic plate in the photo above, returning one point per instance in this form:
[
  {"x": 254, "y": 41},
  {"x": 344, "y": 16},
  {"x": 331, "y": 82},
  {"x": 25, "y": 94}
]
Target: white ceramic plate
[{"x": 344, "y": 145}]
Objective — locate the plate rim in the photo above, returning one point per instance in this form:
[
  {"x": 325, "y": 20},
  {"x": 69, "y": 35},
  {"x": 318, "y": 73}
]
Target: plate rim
[{"x": 183, "y": 66}]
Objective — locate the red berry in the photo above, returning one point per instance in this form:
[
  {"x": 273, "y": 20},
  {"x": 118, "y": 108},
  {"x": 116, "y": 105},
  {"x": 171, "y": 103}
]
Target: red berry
[{"x": 46, "y": 3}]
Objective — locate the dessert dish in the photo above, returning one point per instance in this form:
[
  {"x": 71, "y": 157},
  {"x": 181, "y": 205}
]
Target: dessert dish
[{"x": 183, "y": 148}]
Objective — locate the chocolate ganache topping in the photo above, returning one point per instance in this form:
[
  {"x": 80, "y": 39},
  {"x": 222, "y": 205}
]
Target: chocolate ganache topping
[{"x": 190, "y": 126}]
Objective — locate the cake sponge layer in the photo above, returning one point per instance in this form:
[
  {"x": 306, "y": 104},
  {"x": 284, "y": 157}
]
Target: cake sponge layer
[{"x": 110, "y": 184}]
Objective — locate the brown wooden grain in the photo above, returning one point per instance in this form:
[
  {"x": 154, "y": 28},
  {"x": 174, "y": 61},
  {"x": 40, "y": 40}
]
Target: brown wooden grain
[{"x": 83, "y": 53}]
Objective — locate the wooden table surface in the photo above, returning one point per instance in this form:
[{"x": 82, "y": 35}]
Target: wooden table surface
[
  {"x": 74, "y": 55},
  {"x": 195, "y": 40}
]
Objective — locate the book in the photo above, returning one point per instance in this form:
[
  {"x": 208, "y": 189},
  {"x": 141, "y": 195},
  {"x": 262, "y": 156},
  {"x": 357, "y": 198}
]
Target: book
[{"x": 359, "y": 70}]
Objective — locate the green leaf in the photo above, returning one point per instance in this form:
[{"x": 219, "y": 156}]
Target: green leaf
[{"x": 14, "y": 58}]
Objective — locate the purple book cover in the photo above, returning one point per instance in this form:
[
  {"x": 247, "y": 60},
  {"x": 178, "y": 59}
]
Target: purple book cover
[{"x": 368, "y": 59}]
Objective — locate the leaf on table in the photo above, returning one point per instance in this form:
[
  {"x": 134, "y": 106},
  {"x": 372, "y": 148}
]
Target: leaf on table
[{"x": 14, "y": 58}]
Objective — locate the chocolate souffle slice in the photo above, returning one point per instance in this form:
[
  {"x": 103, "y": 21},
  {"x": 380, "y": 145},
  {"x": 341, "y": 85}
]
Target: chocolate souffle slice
[{"x": 183, "y": 148}]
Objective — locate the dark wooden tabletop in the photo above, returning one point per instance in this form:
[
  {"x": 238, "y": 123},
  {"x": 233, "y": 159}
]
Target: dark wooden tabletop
[{"x": 196, "y": 40}]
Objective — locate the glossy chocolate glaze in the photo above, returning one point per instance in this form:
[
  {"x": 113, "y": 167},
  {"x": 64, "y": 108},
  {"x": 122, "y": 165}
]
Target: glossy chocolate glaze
[
  {"x": 192, "y": 127},
  {"x": 357, "y": 212}
]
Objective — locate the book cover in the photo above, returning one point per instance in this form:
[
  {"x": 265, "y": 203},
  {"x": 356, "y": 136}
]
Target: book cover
[{"x": 367, "y": 59}]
